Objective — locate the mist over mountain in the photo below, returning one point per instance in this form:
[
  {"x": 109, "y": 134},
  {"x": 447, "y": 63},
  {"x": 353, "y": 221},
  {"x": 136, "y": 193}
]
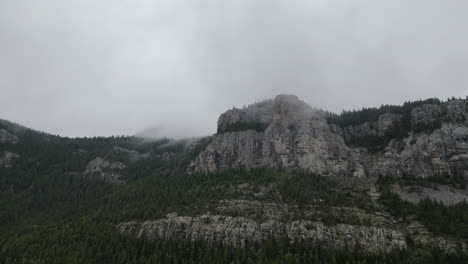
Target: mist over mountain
[
  {"x": 373, "y": 184},
  {"x": 247, "y": 131},
  {"x": 87, "y": 68}
]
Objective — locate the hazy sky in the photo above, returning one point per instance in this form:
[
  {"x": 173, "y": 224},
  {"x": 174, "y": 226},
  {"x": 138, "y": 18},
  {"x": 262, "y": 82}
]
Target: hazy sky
[{"x": 113, "y": 67}]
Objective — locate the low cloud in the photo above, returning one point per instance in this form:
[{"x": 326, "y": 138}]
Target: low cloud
[{"x": 85, "y": 68}]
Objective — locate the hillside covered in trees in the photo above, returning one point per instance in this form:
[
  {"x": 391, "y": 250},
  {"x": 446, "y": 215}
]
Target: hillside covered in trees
[{"x": 65, "y": 200}]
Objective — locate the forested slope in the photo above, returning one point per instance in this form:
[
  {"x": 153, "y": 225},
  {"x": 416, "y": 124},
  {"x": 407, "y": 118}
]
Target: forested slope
[{"x": 59, "y": 206}]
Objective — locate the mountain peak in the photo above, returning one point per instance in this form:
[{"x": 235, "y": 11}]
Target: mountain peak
[
  {"x": 287, "y": 133},
  {"x": 281, "y": 133}
]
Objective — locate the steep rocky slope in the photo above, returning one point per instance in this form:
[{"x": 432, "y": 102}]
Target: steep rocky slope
[
  {"x": 295, "y": 136},
  {"x": 286, "y": 133},
  {"x": 7, "y": 137},
  {"x": 7, "y": 158},
  {"x": 243, "y": 223},
  {"x": 105, "y": 170},
  {"x": 445, "y": 150},
  {"x": 145, "y": 192},
  {"x": 242, "y": 231},
  {"x": 447, "y": 195}
]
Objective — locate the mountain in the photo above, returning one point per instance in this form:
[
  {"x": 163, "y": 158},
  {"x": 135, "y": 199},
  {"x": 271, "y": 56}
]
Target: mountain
[
  {"x": 284, "y": 133},
  {"x": 421, "y": 138},
  {"x": 280, "y": 182}
]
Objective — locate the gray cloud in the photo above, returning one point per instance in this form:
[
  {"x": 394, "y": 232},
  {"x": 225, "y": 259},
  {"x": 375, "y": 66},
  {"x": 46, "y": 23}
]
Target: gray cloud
[{"x": 87, "y": 67}]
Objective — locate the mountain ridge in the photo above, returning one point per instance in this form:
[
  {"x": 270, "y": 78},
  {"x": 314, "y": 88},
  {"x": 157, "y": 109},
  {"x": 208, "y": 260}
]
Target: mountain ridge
[
  {"x": 380, "y": 182},
  {"x": 287, "y": 133}
]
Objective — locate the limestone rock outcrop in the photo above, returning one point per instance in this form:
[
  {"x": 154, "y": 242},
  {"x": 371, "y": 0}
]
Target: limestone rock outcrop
[
  {"x": 133, "y": 155},
  {"x": 296, "y": 136},
  {"x": 249, "y": 222},
  {"x": 104, "y": 170},
  {"x": 457, "y": 111},
  {"x": 240, "y": 231},
  {"x": 7, "y": 158},
  {"x": 445, "y": 150},
  {"x": 286, "y": 133},
  {"x": 258, "y": 113},
  {"x": 426, "y": 114},
  {"x": 386, "y": 123},
  {"x": 443, "y": 194},
  {"x": 7, "y": 137}
]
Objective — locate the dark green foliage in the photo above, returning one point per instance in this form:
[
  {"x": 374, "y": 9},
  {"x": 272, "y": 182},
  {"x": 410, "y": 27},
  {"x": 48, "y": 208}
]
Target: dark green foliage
[
  {"x": 373, "y": 143},
  {"x": 64, "y": 219},
  {"x": 242, "y": 126},
  {"x": 193, "y": 153},
  {"x": 376, "y": 143},
  {"x": 441, "y": 219},
  {"x": 45, "y": 154},
  {"x": 155, "y": 196},
  {"x": 395, "y": 205},
  {"x": 352, "y": 118},
  {"x": 54, "y": 195},
  {"x": 50, "y": 214},
  {"x": 427, "y": 127},
  {"x": 455, "y": 179},
  {"x": 304, "y": 187},
  {"x": 85, "y": 242}
]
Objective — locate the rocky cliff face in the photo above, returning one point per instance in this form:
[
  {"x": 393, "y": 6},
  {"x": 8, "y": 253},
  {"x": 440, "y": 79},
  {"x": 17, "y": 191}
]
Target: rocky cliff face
[
  {"x": 256, "y": 221},
  {"x": 296, "y": 136},
  {"x": 445, "y": 194},
  {"x": 445, "y": 150},
  {"x": 7, "y": 158},
  {"x": 7, "y": 137},
  {"x": 241, "y": 231},
  {"x": 385, "y": 123},
  {"x": 104, "y": 170},
  {"x": 286, "y": 133}
]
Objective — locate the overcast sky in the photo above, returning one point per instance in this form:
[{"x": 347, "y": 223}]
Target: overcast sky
[{"x": 113, "y": 67}]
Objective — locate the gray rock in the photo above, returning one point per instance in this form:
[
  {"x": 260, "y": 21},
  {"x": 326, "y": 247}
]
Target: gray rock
[
  {"x": 254, "y": 221},
  {"x": 132, "y": 154},
  {"x": 425, "y": 114},
  {"x": 381, "y": 127},
  {"x": 166, "y": 156},
  {"x": 6, "y": 159},
  {"x": 260, "y": 112},
  {"x": 240, "y": 231},
  {"x": 230, "y": 117},
  {"x": 457, "y": 111},
  {"x": 79, "y": 152},
  {"x": 386, "y": 123},
  {"x": 442, "y": 193},
  {"x": 104, "y": 170},
  {"x": 297, "y": 136},
  {"x": 362, "y": 130},
  {"x": 7, "y": 137},
  {"x": 421, "y": 235},
  {"x": 445, "y": 150}
]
